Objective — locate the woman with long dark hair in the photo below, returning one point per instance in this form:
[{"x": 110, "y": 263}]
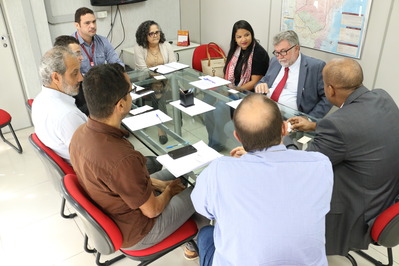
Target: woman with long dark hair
[{"x": 247, "y": 61}]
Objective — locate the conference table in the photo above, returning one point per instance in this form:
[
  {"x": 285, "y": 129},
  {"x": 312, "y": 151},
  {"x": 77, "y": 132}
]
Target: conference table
[{"x": 186, "y": 129}]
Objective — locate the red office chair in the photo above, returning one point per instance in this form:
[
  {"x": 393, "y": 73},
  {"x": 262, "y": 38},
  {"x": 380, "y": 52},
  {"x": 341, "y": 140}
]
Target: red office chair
[
  {"x": 56, "y": 167},
  {"x": 5, "y": 120},
  {"x": 200, "y": 53},
  {"x": 105, "y": 234},
  {"x": 28, "y": 104},
  {"x": 384, "y": 232}
]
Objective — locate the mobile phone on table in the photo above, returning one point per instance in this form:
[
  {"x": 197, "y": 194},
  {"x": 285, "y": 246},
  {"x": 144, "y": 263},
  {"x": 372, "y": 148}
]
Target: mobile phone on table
[{"x": 183, "y": 151}]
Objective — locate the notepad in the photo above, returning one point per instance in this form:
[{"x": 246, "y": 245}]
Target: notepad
[
  {"x": 207, "y": 82},
  {"x": 199, "y": 107},
  {"x": 168, "y": 68},
  {"x": 146, "y": 120}
]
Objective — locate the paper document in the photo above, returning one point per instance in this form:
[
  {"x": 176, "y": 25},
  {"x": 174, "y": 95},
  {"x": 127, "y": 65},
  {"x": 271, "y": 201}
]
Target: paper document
[
  {"x": 234, "y": 104},
  {"x": 199, "y": 107},
  {"x": 168, "y": 68},
  {"x": 146, "y": 120},
  {"x": 141, "y": 109},
  {"x": 207, "y": 82},
  {"x": 188, "y": 163},
  {"x": 140, "y": 92}
]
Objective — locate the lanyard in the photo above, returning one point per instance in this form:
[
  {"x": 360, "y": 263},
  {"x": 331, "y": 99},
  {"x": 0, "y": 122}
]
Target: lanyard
[{"x": 84, "y": 49}]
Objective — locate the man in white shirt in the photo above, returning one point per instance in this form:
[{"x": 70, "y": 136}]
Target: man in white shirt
[
  {"x": 303, "y": 89},
  {"x": 54, "y": 113}
]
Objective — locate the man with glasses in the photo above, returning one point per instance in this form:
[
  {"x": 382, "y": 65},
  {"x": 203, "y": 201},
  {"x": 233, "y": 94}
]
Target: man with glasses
[
  {"x": 146, "y": 208},
  {"x": 294, "y": 79},
  {"x": 96, "y": 49}
]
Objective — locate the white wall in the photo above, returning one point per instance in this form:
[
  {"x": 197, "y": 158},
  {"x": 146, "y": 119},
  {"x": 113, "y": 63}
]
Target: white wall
[
  {"x": 380, "y": 45},
  {"x": 165, "y": 12}
]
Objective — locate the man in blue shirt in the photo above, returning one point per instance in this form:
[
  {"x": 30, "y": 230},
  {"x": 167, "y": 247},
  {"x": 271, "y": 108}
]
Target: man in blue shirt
[
  {"x": 270, "y": 203},
  {"x": 96, "y": 49}
]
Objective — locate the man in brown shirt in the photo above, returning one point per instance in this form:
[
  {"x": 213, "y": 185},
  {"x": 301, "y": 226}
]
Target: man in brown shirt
[{"x": 146, "y": 209}]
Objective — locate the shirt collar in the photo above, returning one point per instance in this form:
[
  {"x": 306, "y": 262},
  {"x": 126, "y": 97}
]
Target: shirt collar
[
  {"x": 274, "y": 148},
  {"x": 58, "y": 94},
  {"x": 107, "y": 129}
]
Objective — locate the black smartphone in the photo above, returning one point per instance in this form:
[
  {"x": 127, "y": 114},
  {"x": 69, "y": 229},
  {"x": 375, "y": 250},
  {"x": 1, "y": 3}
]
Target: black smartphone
[{"x": 183, "y": 151}]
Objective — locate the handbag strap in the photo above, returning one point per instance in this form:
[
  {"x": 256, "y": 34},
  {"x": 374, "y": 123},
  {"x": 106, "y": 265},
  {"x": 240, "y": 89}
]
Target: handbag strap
[{"x": 218, "y": 50}]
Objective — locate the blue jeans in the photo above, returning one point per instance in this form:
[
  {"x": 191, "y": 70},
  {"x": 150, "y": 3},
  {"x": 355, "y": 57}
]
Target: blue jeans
[{"x": 206, "y": 245}]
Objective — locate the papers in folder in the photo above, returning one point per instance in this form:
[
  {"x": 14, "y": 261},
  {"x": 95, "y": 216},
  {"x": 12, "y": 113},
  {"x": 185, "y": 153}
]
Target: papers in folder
[
  {"x": 168, "y": 68},
  {"x": 188, "y": 163},
  {"x": 146, "y": 120},
  {"x": 207, "y": 82}
]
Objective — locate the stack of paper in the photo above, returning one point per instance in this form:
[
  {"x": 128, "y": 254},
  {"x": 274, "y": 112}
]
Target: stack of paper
[
  {"x": 146, "y": 120},
  {"x": 188, "y": 163},
  {"x": 234, "y": 104},
  {"x": 168, "y": 68},
  {"x": 207, "y": 82}
]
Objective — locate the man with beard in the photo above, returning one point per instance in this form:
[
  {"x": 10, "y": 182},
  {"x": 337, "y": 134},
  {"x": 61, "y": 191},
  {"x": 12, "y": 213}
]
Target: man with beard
[
  {"x": 54, "y": 113},
  {"x": 294, "y": 79},
  {"x": 96, "y": 49}
]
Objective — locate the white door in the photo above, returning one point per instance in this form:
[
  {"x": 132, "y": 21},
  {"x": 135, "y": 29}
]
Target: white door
[{"x": 12, "y": 98}]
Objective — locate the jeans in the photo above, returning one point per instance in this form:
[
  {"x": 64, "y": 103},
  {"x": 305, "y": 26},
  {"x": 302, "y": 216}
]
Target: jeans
[{"x": 206, "y": 245}]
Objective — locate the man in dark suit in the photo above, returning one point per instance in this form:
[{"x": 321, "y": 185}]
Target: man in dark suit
[
  {"x": 361, "y": 140},
  {"x": 303, "y": 89}
]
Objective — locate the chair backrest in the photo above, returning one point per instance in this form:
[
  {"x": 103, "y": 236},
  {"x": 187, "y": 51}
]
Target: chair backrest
[
  {"x": 102, "y": 231},
  {"x": 200, "y": 53},
  {"x": 385, "y": 230},
  {"x": 28, "y": 104},
  {"x": 56, "y": 166}
]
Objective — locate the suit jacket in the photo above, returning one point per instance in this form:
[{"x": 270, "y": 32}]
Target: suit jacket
[
  {"x": 361, "y": 140},
  {"x": 310, "y": 96}
]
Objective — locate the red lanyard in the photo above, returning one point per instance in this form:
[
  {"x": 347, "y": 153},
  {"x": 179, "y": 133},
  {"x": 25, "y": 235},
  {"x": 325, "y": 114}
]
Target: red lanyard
[{"x": 84, "y": 49}]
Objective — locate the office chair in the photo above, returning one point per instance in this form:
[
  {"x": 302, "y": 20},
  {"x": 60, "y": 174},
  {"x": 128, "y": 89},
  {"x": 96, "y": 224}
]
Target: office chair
[
  {"x": 105, "y": 234},
  {"x": 384, "y": 232},
  {"x": 200, "y": 53},
  {"x": 56, "y": 166},
  {"x": 5, "y": 120},
  {"x": 28, "y": 104}
]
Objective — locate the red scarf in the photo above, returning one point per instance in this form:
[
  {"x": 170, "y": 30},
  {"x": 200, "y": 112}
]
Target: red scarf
[{"x": 245, "y": 75}]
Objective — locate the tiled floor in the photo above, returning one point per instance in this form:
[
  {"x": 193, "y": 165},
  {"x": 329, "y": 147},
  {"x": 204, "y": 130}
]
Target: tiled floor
[{"x": 33, "y": 233}]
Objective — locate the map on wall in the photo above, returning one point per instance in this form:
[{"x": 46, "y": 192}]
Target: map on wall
[{"x": 337, "y": 26}]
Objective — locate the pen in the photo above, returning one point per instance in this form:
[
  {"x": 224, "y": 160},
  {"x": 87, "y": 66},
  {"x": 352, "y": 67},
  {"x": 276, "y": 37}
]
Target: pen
[
  {"x": 171, "y": 146},
  {"x": 181, "y": 91},
  {"x": 209, "y": 80},
  {"x": 159, "y": 118}
]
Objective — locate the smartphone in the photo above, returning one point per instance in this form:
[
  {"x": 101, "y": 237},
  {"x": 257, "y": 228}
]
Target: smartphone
[{"x": 183, "y": 151}]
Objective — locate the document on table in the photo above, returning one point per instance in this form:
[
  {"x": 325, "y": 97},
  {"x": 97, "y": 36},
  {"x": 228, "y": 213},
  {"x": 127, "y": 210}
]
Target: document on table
[
  {"x": 140, "y": 92},
  {"x": 141, "y": 109},
  {"x": 188, "y": 163},
  {"x": 168, "y": 68},
  {"x": 234, "y": 104},
  {"x": 207, "y": 82},
  {"x": 146, "y": 120},
  {"x": 199, "y": 107}
]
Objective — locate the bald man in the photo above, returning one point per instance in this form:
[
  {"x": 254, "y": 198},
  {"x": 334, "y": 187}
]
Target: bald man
[
  {"x": 361, "y": 140},
  {"x": 269, "y": 208}
]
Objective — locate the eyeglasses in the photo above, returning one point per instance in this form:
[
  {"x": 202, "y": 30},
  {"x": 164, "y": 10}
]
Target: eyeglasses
[
  {"x": 154, "y": 33},
  {"x": 283, "y": 52},
  {"x": 132, "y": 89}
]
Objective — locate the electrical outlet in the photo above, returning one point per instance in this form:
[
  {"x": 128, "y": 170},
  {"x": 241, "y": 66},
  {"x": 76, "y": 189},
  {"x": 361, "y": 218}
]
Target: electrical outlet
[{"x": 101, "y": 14}]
